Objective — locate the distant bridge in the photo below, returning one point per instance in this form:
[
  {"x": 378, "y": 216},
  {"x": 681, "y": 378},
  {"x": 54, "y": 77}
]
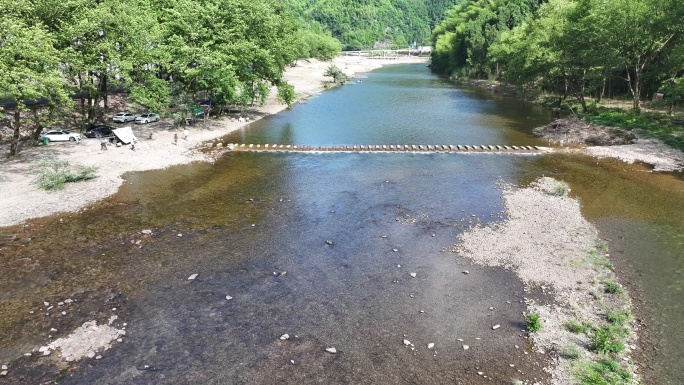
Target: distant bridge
[{"x": 390, "y": 53}]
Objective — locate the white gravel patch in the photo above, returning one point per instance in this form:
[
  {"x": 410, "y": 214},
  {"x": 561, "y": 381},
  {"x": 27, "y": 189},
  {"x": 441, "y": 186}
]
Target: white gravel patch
[
  {"x": 548, "y": 244},
  {"x": 651, "y": 151},
  {"x": 87, "y": 341}
]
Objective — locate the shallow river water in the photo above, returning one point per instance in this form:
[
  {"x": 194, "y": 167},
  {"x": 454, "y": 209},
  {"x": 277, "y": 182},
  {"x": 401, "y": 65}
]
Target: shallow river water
[{"x": 322, "y": 246}]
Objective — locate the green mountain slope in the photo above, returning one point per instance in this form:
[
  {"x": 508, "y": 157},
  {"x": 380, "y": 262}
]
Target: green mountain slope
[{"x": 365, "y": 24}]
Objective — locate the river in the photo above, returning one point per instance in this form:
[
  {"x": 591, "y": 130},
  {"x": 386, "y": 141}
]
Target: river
[{"x": 322, "y": 246}]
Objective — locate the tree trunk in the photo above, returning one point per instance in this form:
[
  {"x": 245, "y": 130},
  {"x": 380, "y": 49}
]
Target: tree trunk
[
  {"x": 583, "y": 102},
  {"x": 14, "y": 143},
  {"x": 39, "y": 124},
  {"x": 635, "y": 88},
  {"x": 103, "y": 89}
]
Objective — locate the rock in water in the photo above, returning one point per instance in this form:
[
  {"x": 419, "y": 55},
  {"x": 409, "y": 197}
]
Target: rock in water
[
  {"x": 407, "y": 342},
  {"x": 285, "y": 337},
  {"x": 190, "y": 278},
  {"x": 431, "y": 345},
  {"x": 331, "y": 350},
  {"x": 496, "y": 327},
  {"x": 413, "y": 275}
]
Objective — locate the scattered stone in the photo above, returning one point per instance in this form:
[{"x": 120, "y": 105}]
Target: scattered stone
[
  {"x": 466, "y": 272},
  {"x": 329, "y": 242},
  {"x": 407, "y": 342},
  {"x": 27, "y": 354},
  {"x": 147, "y": 232},
  {"x": 431, "y": 345},
  {"x": 4, "y": 367},
  {"x": 480, "y": 373},
  {"x": 398, "y": 265},
  {"x": 459, "y": 339},
  {"x": 466, "y": 347},
  {"x": 43, "y": 349},
  {"x": 98, "y": 357},
  {"x": 4, "y": 373},
  {"x": 413, "y": 275},
  {"x": 285, "y": 337},
  {"x": 331, "y": 350},
  {"x": 180, "y": 235},
  {"x": 46, "y": 303},
  {"x": 395, "y": 250},
  {"x": 496, "y": 327},
  {"x": 292, "y": 362},
  {"x": 190, "y": 278},
  {"x": 63, "y": 313},
  {"x": 229, "y": 297}
]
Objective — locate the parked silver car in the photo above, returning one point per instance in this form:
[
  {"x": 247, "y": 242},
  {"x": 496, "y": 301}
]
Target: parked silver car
[
  {"x": 123, "y": 117},
  {"x": 147, "y": 118}
]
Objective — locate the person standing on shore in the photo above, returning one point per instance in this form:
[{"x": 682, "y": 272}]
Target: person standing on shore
[
  {"x": 186, "y": 133},
  {"x": 175, "y": 139},
  {"x": 103, "y": 144}
]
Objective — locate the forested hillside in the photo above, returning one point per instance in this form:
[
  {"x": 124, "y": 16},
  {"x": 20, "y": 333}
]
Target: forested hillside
[
  {"x": 578, "y": 48},
  {"x": 366, "y": 24}
]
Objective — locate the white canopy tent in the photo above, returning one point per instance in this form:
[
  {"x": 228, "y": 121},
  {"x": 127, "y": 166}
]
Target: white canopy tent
[{"x": 125, "y": 135}]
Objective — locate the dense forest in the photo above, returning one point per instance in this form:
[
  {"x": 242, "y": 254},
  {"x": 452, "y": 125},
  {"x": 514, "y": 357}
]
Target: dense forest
[
  {"x": 572, "y": 48},
  {"x": 169, "y": 54},
  {"x": 367, "y": 24}
]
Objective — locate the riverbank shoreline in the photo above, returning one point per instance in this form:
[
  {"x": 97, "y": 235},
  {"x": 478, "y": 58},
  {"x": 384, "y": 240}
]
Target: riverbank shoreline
[
  {"x": 578, "y": 136},
  {"x": 22, "y": 200},
  {"x": 549, "y": 245}
]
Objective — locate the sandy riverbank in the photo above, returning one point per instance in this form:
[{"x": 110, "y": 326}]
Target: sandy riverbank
[
  {"x": 21, "y": 199},
  {"x": 554, "y": 250}
]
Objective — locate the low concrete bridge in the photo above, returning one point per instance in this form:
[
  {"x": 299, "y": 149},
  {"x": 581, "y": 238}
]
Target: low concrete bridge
[
  {"x": 386, "y": 148},
  {"x": 390, "y": 53}
]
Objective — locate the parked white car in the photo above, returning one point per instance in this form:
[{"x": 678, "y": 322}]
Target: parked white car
[
  {"x": 147, "y": 118},
  {"x": 123, "y": 117},
  {"x": 61, "y": 136}
]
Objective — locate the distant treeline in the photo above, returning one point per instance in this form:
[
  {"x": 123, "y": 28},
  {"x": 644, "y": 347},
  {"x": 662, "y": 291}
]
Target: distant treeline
[{"x": 572, "y": 48}]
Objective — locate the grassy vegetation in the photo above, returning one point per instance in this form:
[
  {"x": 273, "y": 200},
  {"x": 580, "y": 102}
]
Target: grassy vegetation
[
  {"x": 578, "y": 328},
  {"x": 533, "y": 322},
  {"x": 562, "y": 189},
  {"x": 609, "y": 339},
  {"x": 654, "y": 125},
  {"x": 571, "y": 352},
  {"x": 598, "y": 258},
  {"x": 619, "y": 318},
  {"x": 604, "y": 372},
  {"x": 53, "y": 174},
  {"x": 610, "y": 286}
]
